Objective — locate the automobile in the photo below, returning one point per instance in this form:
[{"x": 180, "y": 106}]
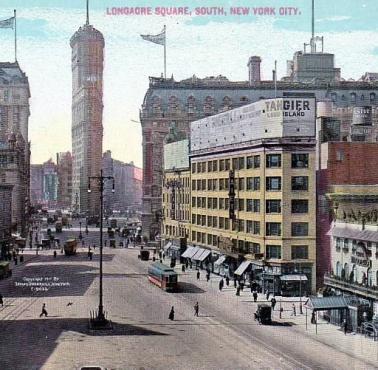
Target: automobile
[
  {"x": 144, "y": 255},
  {"x": 263, "y": 314}
]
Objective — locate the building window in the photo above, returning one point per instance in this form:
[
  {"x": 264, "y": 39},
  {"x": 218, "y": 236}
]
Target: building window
[
  {"x": 250, "y": 162},
  {"x": 253, "y": 183},
  {"x": 227, "y": 164},
  {"x": 221, "y": 165},
  {"x": 273, "y": 228},
  {"x": 253, "y": 205},
  {"x": 215, "y": 166},
  {"x": 209, "y": 221},
  {"x": 193, "y": 167},
  {"x": 256, "y": 161},
  {"x": 241, "y": 163},
  {"x": 338, "y": 244},
  {"x": 340, "y": 155},
  {"x": 273, "y": 251},
  {"x": 299, "y": 206},
  {"x": 209, "y": 166},
  {"x": 193, "y": 184},
  {"x": 241, "y": 226},
  {"x": 372, "y": 98},
  {"x": 193, "y": 201},
  {"x": 273, "y": 161},
  {"x": 226, "y": 224},
  {"x": 221, "y": 203},
  {"x": 256, "y": 227},
  {"x": 221, "y": 222},
  {"x": 299, "y": 252},
  {"x": 273, "y": 206},
  {"x": 241, "y": 205},
  {"x": 193, "y": 219},
  {"x": 241, "y": 184},
  {"x": 299, "y": 183},
  {"x": 299, "y": 160},
  {"x": 273, "y": 183},
  {"x": 194, "y": 236},
  {"x": 299, "y": 228},
  {"x": 235, "y": 163}
]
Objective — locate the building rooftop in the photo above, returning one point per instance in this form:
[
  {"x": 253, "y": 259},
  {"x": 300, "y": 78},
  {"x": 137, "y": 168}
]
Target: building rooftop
[{"x": 11, "y": 73}]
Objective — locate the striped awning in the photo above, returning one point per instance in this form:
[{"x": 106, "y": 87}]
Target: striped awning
[
  {"x": 189, "y": 252},
  {"x": 198, "y": 254},
  {"x": 242, "y": 268},
  {"x": 167, "y": 246},
  {"x": 220, "y": 260},
  {"x": 204, "y": 255}
]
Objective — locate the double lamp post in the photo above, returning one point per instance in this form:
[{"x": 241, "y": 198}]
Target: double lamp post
[{"x": 100, "y": 321}]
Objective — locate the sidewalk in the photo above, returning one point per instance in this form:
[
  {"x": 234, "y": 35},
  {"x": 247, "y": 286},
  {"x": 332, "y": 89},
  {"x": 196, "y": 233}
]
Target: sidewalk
[{"x": 355, "y": 345}]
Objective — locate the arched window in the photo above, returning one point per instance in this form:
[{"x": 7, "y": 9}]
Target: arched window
[
  {"x": 208, "y": 107},
  {"x": 372, "y": 96},
  {"x": 156, "y": 105},
  {"x": 346, "y": 271},
  {"x": 191, "y": 104},
  {"x": 353, "y": 97},
  {"x": 369, "y": 277},
  {"x": 173, "y": 105},
  {"x": 226, "y": 103},
  {"x": 362, "y": 97}
]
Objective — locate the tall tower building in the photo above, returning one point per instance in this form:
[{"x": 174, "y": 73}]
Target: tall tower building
[{"x": 87, "y": 45}]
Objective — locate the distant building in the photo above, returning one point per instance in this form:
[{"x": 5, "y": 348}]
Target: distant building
[
  {"x": 87, "y": 105},
  {"x": 14, "y": 140},
  {"x": 64, "y": 172},
  {"x": 176, "y": 196},
  {"x": 5, "y": 219},
  {"x": 50, "y": 183},
  {"x": 127, "y": 195},
  {"x": 36, "y": 184}
]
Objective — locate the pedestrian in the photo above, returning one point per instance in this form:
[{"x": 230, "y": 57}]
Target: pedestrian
[
  {"x": 172, "y": 314},
  {"x": 235, "y": 282},
  {"x": 293, "y": 312},
  {"x": 163, "y": 256},
  {"x": 106, "y": 242},
  {"x": 254, "y": 296},
  {"x": 94, "y": 246},
  {"x": 82, "y": 243},
  {"x": 267, "y": 295},
  {"x": 196, "y": 309},
  {"x": 183, "y": 268},
  {"x": 208, "y": 276},
  {"x": 227, "y": 281},
  {"x": 313, "y": 318},
  {"x": 221, "y": 283},
  {"x": 241, "y": 283},
  {"x": 238, "y": 291},
  {"x": 1, "y": 300},
  {"x": 186, "y": 263},
  {"x": 273, "y": 302},
  {"x": 44, "y": 312},
  {"x": 89, "y": 251},
  {"x": 345, "y": 325},
  {"x": 54, "y": 254},
  {"x": 198, "y": 275}
]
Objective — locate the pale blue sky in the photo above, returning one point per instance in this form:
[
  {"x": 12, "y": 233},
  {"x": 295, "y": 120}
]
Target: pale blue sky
[{"x": 208, "y": 45}]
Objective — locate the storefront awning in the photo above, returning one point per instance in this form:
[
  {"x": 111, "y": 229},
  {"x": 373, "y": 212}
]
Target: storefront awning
[
  {"x": 167, "y": 246},
  {"x": 189, "y": 252},
  {"x": 242, "y": 268},
  {"x": 220, "y": 260},
  {"x": 293, "y": 278},
  {"x": 197, "y": 255},
  {"x": 326, "y": 303},
  {"x": 349, "y": 233},
  {"x": 204, "y": 255}
]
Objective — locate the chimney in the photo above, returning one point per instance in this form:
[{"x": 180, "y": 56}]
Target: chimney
[{"x": 254, "y": 69}]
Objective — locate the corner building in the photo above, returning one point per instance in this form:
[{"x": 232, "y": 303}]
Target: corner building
[
  {"x": 87, "y": 131},
  {"x": 253, "y": 196}
]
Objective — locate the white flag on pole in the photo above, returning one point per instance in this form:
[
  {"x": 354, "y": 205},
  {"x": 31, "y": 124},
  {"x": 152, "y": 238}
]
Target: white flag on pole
[
  {"x": 7, "y": 23},
  {"x": 156, "y": 39}
]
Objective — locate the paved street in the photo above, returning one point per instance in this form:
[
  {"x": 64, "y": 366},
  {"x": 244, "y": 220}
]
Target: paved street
[{"x": 224, "y": 336}]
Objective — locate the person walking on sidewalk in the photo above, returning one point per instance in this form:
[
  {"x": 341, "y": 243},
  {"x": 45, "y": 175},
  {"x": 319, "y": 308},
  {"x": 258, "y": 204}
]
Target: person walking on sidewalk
[
  {"x": 221, "y": 283},
  {"x": 293, "y": 312},
  {"x": 44, "y": 312},
  {"x": 345, "y": 327},
  {"x": 196, "y": 309},
  {"x": 172, "y": 314},
  {"x": 273, "y": 301},
  {"x": 227, "y": 281},
  {"x": 254, "y": 296},
  {"x": 198, "y": 275},
  {"x": 208, "y": 276},
  {"x": 1, "y": 300}
]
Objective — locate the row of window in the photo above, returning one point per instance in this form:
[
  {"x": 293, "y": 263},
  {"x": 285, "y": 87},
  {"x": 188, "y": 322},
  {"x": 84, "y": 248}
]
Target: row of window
[
  {"x": 180, "y": 198},
  {"x": 273, "y": 183},
  {"x": 298, "y": 160},
  {"x": 353, "y": 97},
  {"x": 250, "y": 205},
  {"x": 243, "y": 246},
  {"x": 251, "y": 227}
]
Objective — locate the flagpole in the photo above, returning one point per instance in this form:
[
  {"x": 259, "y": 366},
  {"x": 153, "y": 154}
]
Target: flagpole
[
  {"x": 15, "y": 36},
  {"x": 165, "y": 53}
]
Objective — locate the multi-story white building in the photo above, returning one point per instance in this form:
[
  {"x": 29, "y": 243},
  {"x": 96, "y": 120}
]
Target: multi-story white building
[
  {"x": 14, "y": 144},
  {"x": 87, "y": 45}
]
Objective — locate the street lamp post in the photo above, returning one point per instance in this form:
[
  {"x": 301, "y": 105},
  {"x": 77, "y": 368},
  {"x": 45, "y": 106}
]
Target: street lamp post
[
  {"x": 80, "y": 234},
  {"x": 100, "y": 320}
]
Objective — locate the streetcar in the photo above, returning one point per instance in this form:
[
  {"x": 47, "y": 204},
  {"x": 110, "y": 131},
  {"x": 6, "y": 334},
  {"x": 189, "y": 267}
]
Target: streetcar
[{"x": 163, "y": 276}]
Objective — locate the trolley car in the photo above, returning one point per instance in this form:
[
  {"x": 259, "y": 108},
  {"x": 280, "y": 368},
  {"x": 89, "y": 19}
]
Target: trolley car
[{"x": 162, "y": 276}]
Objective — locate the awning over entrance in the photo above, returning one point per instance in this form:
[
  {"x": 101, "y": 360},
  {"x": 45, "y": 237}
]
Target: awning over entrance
[
  {"x": 220, "y": 260},
  {"x": 190, "y": 251},
  {"x": 346, "y": 232},
  {"x": 293, "y": 278},
  {"x": 326, "y": 303},
  {"x": 242, "y": 268},
  {"x": 198, "y": 254},
  {"x": 167, "y": 246},
  {"x": 204, "y": 255}
]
